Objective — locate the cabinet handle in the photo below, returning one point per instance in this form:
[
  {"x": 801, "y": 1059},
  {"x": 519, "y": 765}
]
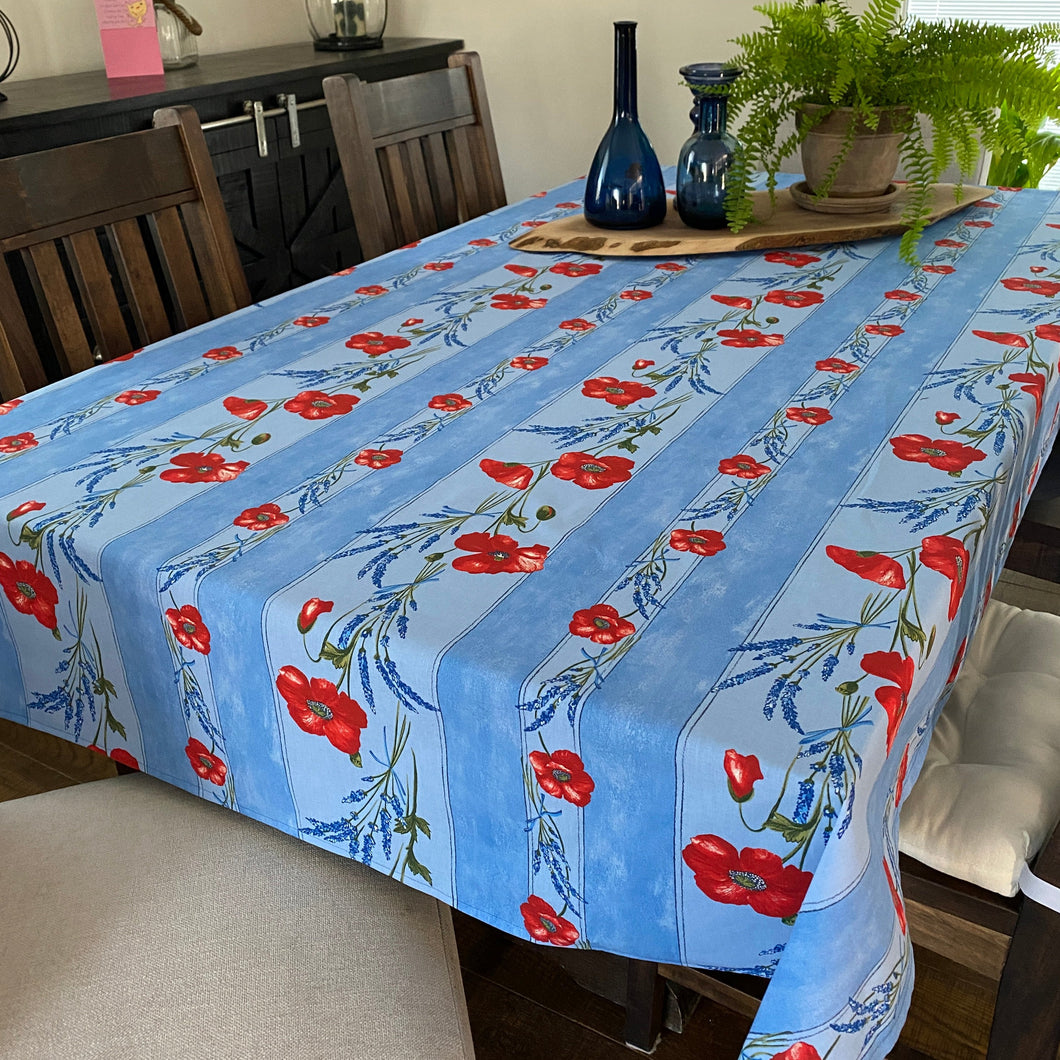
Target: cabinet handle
[
  {"x": 290, "y": 101},
  {"x": 256, "y": 110}
]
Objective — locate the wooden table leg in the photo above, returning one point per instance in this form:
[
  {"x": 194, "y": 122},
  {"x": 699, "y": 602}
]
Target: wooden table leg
[{"x": 645, "y": 995}]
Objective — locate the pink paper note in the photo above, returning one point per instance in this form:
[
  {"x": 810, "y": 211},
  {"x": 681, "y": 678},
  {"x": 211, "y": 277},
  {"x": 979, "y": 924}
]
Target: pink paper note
[{"x": 130, "y": 40}]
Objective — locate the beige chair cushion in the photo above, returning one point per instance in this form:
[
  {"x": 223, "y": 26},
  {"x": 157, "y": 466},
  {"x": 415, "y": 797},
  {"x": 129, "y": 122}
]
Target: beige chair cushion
[
  {"x": 989, "y": 793},
  {"x": 141, "y": 922}
]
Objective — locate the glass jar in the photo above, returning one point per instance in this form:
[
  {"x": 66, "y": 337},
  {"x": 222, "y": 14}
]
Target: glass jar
[
  {"x": 176, "y": 42},
  {"x": 343, "y": 25}
]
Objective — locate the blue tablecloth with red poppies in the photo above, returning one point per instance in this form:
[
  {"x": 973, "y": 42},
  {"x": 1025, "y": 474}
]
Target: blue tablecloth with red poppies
[{"x": 611, "y": 601}]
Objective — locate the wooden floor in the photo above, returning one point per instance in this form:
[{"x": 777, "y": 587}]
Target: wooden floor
[{"x": 525, "y": 1005}]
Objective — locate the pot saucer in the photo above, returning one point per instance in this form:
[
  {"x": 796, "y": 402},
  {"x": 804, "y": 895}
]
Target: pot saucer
[{"x": 874, "y": 204}]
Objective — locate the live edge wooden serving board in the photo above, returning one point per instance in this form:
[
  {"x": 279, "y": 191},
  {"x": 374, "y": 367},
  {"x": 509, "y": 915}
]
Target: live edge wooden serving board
[{"x": 787, "y": 226}]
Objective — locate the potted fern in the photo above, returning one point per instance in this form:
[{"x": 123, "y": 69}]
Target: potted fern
[{"x": 924, "y": 94}]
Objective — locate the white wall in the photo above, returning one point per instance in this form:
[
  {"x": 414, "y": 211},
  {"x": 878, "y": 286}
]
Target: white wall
[{"x": 62, "y": 36}]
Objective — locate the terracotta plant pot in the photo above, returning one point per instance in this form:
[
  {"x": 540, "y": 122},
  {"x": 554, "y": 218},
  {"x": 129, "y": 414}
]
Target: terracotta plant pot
[{"x": 869, "y": 168}]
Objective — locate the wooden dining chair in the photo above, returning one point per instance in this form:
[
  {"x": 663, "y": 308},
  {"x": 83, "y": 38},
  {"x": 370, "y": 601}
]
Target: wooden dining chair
[
  {"x": 986, "y": 803},
  {"x": 109, "y": 245},
  {"x": 417, "y": 153}
]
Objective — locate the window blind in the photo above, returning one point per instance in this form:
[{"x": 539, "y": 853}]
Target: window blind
[{"x": 1010, "y": 13}]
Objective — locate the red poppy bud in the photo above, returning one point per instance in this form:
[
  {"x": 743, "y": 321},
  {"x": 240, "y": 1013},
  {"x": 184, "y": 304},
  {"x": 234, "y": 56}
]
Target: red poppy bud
[
  {"x": 742, "y": 771},
  {"x": 311, "y": 611},
  {"x": 24, "y": 509}
]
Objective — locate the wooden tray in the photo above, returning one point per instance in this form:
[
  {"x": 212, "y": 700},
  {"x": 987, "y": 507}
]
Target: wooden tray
[{"x": 789, "y": 226}]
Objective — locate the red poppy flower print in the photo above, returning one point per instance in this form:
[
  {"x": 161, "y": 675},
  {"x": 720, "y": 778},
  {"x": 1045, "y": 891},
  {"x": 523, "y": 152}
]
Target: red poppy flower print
[
  {"x": 449, "y": 402},
  {"x": 320, "y": 709},
  {"x": 481, "y": 242},
  {"x": 670, "y": 266},
  {"x": 411, "y": 322},
  {"x": 516, "y": 301},
  {"x": 902, "y": 296},
  {"x": 641, "y": 363},
  {"x": 10, "y": 406},
  {"x": 16, "y": 443},
  {"x": 577, "y": 324},
  {"x": 601, "y": 623},
  {"x": 938, "y": 453},
  {"x": 698, "y": 542},
  {"x": 189, "y": 628},
  {"x": 743, "y": 466},
  {"x": 568, "y": 205},
  {"x": 955, "y": 669},
  {"x": 438, "y": 266},
  {"x": 317, "y": 405},
  {"x": 312, "y": 609},
  {"x": 944, "y": 418},
  {"x": 24, "y": 509},
  {"x": 575, "y": 268},
  {"x": 137, "y": 397},
  {"x": 1037, "y": 269},
  {"x": 545, "y": 924},
  {"x": 616, "y": 393},
  {"x": 888, "y": 330},
  {"x": 798, "y": 1051},
  {"x": 533, "y": 224},
  {"x": 222, "y": 353},
  {"x": 508, "y": 472},
  {"x": 810, "y": 414},
  {"x": 635, "y": 295},
  {"x": 899, "y": 784},
  {"x": 202, "y": 467},
  {"x": 528, "y": 364},
  {"x": 748, "y": 337},
  {"x": 205, "y": 763},
  {"x": 896, "y": 898},
  {"x": 1034, "y": 384},
  {"x": 346, "y": 272},
  {"x": 309, "y": 322},
  {"x": 372, "y": 290},
  {"x": 120, "y": 755},
  {"x": 836, "y": 365},
  {"x": 742, "y": 772},
  {"x": 563, "y": 775},
  {"x": 751, "y": 876},
  {"x": 795, "y": 299},
  {"x": 1046, "y": 288},
  {"x": 939, "y": 270},
  {"x": 1050, "y": 332},
  {"x": 29, "y": 590},
  {"x": 978, "y": 224},
  {"x": 264, "y": 517},
  {"x": 593, "y": 472},
  {"x": 949, "y": 557},
  {"x": 1005, "y": 338},
  {"x": 377, "y": 458},
  {"x": 498, "y": 554},
  {"x": 733, "y": 300},
  {"x": 375, "y": 343},
  {"x": 872, "y": 566},
  {"x": 244, "y": 408},
  {"x": 522, "y": 270},
  {"x": 787, "y": 257},
  {"x": 894, "y": 698},
  {"x": 949, "y": 243}
]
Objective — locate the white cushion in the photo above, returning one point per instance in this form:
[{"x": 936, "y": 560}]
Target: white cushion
[
  {"x": 989, "y": 793},
  {"x": 141, "y": 922}
]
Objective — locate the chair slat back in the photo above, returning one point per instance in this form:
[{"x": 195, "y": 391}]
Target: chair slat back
[
  {"x": 115, "y": 243},
  {"x": 418, "y": 153}
]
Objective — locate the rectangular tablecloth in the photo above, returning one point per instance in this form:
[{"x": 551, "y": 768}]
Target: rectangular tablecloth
[{"x": 610, "y": 601}]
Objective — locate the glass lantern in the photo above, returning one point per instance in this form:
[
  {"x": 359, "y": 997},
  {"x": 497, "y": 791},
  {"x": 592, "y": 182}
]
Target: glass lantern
[
  {"x": 176, "y": 41},
  {"x": 342, "y": 25}
]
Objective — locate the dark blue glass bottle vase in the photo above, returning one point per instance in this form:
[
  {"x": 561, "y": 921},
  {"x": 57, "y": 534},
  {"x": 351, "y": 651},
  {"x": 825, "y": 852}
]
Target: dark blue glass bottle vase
[
  {"x": 707, "y": 155},
  {"x": 625, "y": 187}
]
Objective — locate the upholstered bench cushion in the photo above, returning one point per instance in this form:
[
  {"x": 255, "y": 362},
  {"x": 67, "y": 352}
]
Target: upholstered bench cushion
[
  {"x": 141, "y": 922},
  {"x": 989, "y": 792}
]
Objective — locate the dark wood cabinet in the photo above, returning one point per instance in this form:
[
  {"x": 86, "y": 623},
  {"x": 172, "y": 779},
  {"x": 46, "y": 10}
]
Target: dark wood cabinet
[{"x": 286, "y": 202}]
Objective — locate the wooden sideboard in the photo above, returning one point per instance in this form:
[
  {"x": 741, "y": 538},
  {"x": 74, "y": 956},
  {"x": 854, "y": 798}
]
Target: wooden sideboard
[{"x": 287, "y": 203}]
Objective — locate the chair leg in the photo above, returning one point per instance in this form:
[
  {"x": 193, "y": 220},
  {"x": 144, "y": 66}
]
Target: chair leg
[
  {"x": 1027, "y": 1012},
  {"x": 645, "y": 996}
]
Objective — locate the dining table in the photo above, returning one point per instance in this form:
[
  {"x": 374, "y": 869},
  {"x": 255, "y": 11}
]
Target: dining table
[{"x": 610, "y": 600}]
